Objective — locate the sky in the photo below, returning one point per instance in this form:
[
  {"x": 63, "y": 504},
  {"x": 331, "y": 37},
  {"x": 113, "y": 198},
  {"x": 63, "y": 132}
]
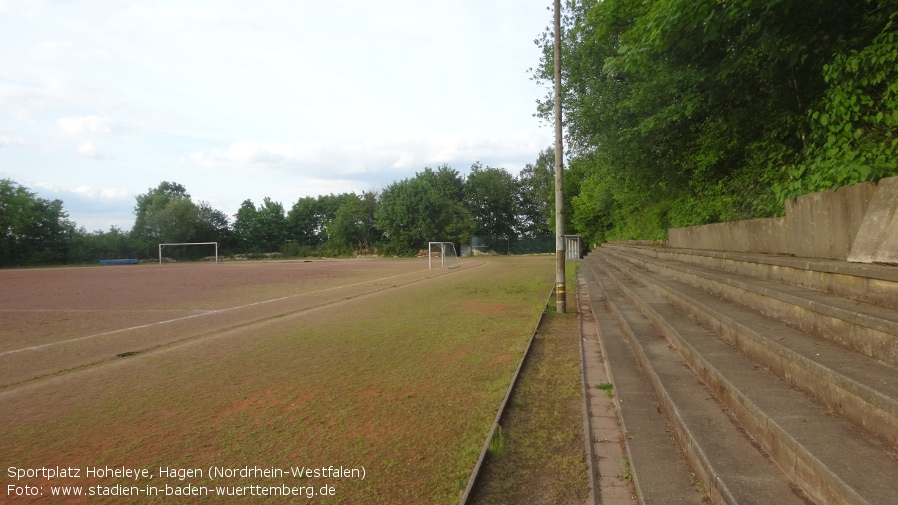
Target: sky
[{"x": 101, "y": 101}]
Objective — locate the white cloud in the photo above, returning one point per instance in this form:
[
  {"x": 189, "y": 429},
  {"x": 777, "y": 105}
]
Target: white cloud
[
  {"x": 89, "y": 150},
  {"x": 403, "y": 152},
  {"x": 85, "y": 124},
  {"x": 15, "y": 140},
  {"x": 102, "y": 193},
  {"x": 94, "y": 208},
  {"x": 187, "y": 25}
]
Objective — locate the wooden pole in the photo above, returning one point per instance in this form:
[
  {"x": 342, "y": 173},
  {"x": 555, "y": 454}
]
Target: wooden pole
[{"x": 560, "y": 298}]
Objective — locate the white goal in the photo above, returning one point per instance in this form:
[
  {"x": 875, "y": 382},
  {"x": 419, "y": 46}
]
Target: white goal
[
  {"x": 444, "y": 254},
  {"x": 189, "y": 243}
]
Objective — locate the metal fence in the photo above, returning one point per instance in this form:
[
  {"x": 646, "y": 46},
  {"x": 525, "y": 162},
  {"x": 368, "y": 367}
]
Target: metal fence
[{"x": 514, "y": 244}]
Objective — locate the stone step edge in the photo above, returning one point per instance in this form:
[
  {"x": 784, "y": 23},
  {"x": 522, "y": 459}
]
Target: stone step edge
[
  {"x": 870, "y": 271},
  {"x": 866, "y": 407},
  {"x": 720, "y": 487},
  {"x": 812, "y": 475},
  {"x": 619, "y": 363},
  {"x": 873, "y": 284},
  {"x": 872, "y": 335}
]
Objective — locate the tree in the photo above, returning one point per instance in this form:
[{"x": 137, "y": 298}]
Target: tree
[
  {"x": 693, "y": 112},
  {"x": 537, "y": 195},
  {"x": 272, "y": 223},
  {"x": 88, "y": 247},
  {"x": 150, "y": 223},
  {"x": 446, "y": 181},
  {"x": 414, "y": 211},
  {"x": 491, "y": 199},
  {"x": 212, "y": 225},
  {"x": 352, "y": 226},
  {"x": 33, "y": 230},
  {"x": 246, "y": 227},
  {"x": 263, "y": 229},
  {"x": 177, "y": 221},
  {"x": 855, "y": 125}
]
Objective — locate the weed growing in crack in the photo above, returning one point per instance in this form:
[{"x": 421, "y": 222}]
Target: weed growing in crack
[
  {"x": 497, "y": 444},
  {"x": 607, "y": 387},
  {"x": 627, "y": 474}
]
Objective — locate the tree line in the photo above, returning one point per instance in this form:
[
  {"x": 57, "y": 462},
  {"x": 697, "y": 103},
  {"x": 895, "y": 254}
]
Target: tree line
[
  {"x": 435, "y": 205},
  {"x": 686, "y": 112}
]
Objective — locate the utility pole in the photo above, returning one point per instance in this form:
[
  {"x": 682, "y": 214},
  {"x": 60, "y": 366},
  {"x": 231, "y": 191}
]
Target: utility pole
[{"x": 560, "y": 300}]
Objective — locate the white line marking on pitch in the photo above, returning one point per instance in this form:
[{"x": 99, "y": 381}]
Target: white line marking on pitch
[
  {"x": 206, "y": 313},
  {"x": 105, "y": 310}
]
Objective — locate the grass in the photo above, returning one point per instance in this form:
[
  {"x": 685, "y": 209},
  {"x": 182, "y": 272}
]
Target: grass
[
  {"x": 544, "y": 459},
  {"x": 497, "y": 443},
  {"x": 404, "y": 382},
  {"x": 607, "y": 387},
  {"x": 627, "y": 474},
  {"x": 702, "y": 489}
]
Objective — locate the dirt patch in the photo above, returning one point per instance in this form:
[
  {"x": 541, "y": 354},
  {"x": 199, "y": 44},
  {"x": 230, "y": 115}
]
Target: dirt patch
[{"x": 502, "y": 358}]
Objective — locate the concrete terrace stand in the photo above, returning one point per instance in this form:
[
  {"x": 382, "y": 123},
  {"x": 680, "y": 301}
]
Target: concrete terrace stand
[{"x": 759, "y": 359}]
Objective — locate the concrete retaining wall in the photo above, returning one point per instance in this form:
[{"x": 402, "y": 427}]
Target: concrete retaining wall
[
  {"x": 877, "y": 239},
  {"x": 856, "y": 223}
]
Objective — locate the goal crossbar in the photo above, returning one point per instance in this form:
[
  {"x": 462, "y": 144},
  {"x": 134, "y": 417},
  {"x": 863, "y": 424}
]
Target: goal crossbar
[
  {"x": 446, "y": 260},
  {"x": 188, "y": 243}
]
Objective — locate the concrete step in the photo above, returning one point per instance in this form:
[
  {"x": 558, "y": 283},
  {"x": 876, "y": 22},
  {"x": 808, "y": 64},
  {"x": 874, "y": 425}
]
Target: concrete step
[
  {"x": 863, "y": 390},
  {"x": 826, "y": 456},
  {"x": 876, "y": 284},
  {"x": 863, "y": 327},
  {"x": 728, "y": 465},
  {"x": 659, "y": 469}
]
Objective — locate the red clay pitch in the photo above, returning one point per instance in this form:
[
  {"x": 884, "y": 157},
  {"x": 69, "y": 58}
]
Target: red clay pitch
[
  {"x": 233, "y": 365},
  {"x": 56, "y": 319}
]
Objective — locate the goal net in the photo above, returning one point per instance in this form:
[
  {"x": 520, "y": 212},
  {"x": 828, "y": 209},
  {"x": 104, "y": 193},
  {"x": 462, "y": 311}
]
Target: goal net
[
  {"x": 162, "y": 246},
  {"x": 441, "y": 254}
]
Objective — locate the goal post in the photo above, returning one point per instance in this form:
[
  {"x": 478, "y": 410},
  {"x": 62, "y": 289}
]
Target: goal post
[
  {"x": 445, "y": 254},
  {"x": 188, "y": 243}
]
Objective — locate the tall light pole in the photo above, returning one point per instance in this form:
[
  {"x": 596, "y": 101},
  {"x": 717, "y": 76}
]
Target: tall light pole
[{"x": 560, "y": 300}]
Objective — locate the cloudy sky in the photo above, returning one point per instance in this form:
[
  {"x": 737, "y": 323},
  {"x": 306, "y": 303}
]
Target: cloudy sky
[{"x": 102, "y": 100}]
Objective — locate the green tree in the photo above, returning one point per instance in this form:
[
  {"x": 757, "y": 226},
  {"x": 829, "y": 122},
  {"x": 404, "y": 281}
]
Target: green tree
[
  {"x": 352, "y": 227},
  {"x": 262, "y": 229},
  {"x": 33, "y": 230},
  {"x": 213, "y": 225},
  {"x": 537, "y": 195},
  {"x": 491, "y": 198},
  {"x": 425, "y": 208},
  {"x": 305, "y": 222},
  {"x": 177, "y": 221},
  {"x": 855, "y": 125},
  {"x": 246, "y": 227},
  {"x": 151, "y": 224},
  {"x": 689, "y": 112},
  {"x": 273, "y": 225},
  {"x": 89, "y": 247},
  {"x": 168, "y": 214}
]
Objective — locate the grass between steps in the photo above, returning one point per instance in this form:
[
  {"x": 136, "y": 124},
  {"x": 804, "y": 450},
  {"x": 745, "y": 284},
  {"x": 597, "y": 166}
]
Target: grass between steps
[{"x": 540, "y": 457}]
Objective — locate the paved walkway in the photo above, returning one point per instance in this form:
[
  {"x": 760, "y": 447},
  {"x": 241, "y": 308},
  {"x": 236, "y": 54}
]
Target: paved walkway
[{"x": 609, "y": 459}]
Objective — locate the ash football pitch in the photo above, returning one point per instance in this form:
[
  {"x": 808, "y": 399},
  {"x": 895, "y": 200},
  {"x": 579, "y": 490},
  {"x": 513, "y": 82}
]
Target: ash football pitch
[{"x": 258, "y": 370}]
